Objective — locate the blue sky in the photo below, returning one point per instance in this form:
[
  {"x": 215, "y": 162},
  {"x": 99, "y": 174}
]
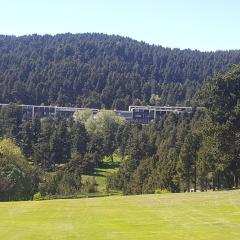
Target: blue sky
[{"x": 196, "y": 24}]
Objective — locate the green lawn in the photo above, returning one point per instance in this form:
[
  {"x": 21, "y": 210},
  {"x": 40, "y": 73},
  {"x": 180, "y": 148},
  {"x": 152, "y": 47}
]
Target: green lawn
[
  {"x": 100, "y": 174},
  {"x": 212, "y": 215}
]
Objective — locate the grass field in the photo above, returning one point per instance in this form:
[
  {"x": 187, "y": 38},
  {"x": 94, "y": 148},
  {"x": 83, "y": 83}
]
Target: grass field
[
  {"x": 100, "y": 174},
  {"x": 212, "y": 215},
  {"x": 100, "y": 177}
]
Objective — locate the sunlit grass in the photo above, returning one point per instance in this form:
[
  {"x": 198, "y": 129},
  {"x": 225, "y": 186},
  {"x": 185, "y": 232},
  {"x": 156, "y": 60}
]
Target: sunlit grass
[
  {"x": 211, "y": 215},
  {"x": 108, "y": 166}
]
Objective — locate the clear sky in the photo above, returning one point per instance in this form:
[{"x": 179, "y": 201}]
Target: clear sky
[{"x": 195, "y": 24}]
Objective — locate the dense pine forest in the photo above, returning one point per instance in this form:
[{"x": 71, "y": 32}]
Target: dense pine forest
[
  {"x": 178, "y": 153},
  {"x": 102, "y": 71}
]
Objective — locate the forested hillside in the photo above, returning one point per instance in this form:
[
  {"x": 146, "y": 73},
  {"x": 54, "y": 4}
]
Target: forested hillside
[
  {"x": 97, "y": 70},
  {"x": 198, "y": 151},
  {"x": 179, "y": 152}
]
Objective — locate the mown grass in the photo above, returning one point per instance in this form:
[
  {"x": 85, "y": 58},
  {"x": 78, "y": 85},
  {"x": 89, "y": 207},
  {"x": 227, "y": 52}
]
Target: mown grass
[
  {"x": 107, "y": 167},
  {"x": 210, "y": 216}
]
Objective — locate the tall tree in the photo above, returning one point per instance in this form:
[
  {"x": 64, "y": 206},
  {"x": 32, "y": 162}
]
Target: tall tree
[
  {"x": 80, "y": 138},
  {"x": 60, "y": 144},
  {"x": 188, "y": 161},
  {"x": 221, "y": 97}
]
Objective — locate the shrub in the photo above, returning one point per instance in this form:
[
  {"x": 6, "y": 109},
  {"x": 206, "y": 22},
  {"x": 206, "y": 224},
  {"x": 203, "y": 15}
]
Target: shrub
[
  {"x": 18, "y": 180},
  {"x": 37, "y": 196},
  {"x": 90, "y": 186},
  {"x": 61, "y": 183},
  {"x": 161, "y": 191}
]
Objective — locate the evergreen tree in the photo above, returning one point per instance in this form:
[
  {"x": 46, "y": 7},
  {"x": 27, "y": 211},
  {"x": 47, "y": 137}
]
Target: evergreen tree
[
  {"x": 27, "y": 137},
  {"x": 42, "y": 150},
  {"x": 80, "y": 138},
  {"x": 60, "y": 144},
  {"x": 188, "y": 161}
]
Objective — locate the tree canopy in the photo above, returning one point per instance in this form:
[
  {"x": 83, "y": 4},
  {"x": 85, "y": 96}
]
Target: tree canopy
[{"x": 102, "y": 71}]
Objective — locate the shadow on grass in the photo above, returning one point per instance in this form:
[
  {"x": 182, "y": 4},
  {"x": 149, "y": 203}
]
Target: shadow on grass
[
  {"x": 104, "y": 169},
  {"x": 109, "y": 165}
]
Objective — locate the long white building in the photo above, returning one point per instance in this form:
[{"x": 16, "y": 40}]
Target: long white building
[{"x": 141, "y": 114}]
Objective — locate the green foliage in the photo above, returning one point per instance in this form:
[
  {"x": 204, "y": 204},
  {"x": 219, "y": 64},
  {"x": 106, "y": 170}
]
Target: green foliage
[
  {"x": 42, "y": 151},
  {"x": 80, "y": 138},
  {"x": 70, "y": 183},
  {"x": 199, "y": 151},
  {"x": 97, "y": 70},
  {"x": 115, "y": 159},
  {"x": 90, "y": 185},
  {"x": 18, "y": 180},
  {"x": 161, "y": 191},
  {"x": 104, "y": 128},
  {"x": 221, "y": 96},
  {"x": 53, "y": 145},
  {"x": 84, "y": 164},
  {"x": 187, "y": 166},
  {"x": 179, "y": 152},
  {"x": 61, "y": 183},
  {"x": 60, "y": 144},
  {"x": 37, "y": 196},
  {"x": 10, "y": 121},
  {"x": 83, "y": 116}
]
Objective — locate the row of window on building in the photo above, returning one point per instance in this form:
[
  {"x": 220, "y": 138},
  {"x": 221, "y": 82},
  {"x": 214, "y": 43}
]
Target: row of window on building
[{"x": 140, "y": 114}]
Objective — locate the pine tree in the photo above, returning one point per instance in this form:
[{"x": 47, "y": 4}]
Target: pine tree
[{"x": 80, "y": 138}]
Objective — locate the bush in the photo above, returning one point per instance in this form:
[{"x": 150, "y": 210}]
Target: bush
[
  {"x": 18, "y": 180},
  {"x": 61, "y": 183},
  {"x": 37, "y": 196},
  {"x": 50, "y": 184},
  {"x": 70, "y": 183},
  {"x": 161, "y": 191},
  {"x": 90, "y": 186}
]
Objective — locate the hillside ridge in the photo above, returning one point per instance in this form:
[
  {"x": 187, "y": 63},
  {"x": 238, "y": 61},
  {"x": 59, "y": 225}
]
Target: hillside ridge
[{"x": 102, "y": 71}]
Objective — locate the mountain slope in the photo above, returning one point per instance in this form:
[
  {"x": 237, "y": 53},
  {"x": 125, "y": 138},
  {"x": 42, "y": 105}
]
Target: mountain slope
[{"x": 97, "y": 70}]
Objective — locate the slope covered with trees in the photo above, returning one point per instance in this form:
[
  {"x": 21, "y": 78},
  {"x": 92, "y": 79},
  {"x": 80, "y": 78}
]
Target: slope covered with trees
[
  {"x": 197, "y": 151},
  {"x": 97, "y": 70},
  {"x": 181, "y": 152}
]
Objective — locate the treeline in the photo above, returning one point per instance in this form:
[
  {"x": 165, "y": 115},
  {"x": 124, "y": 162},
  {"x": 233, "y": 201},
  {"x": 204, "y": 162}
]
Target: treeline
[
  {"x": 190, "y": 153},
  {"x": 101, "y": 71},
  {"x": 181, "y": 152},
  {"x": 59, "y": 150}
]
